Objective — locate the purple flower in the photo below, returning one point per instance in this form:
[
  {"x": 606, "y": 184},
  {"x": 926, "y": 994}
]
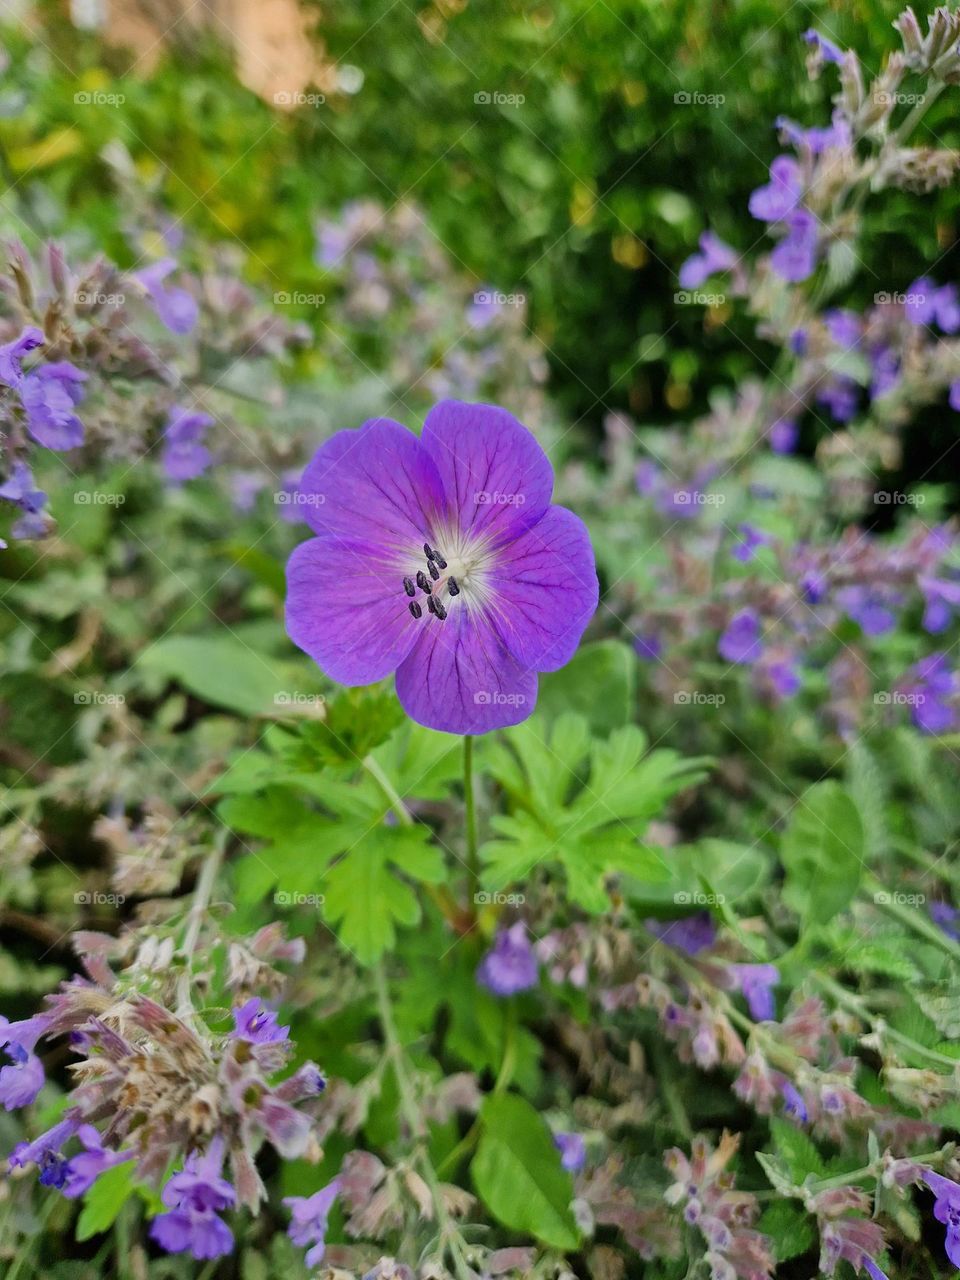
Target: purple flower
[
  {"x": 798, "y": 342},
  {"x": 750, "y": 539},
  {"x": 841, "y": 395},
  {"x": 783, "y": 435},
  {"x": 648, "y": 647},
  {"x": 818, "y": 140},
  {"x": 195, "y": 1197},
  {"x": 484, "y": 308},
  {"x": 257, "y": 1025},
  {"x": 184, "y": 455},
  {"x": 21, "y": 1079},
  {"x": 84, "y": 1169},
  {"x": 946, "y": 918},
  {"x": 757, "y": 981},
  {"x": 954, "y": 397},
  {"x": 931, "y": 688},
  {"x": 814, "y": 587},
  {"x": 714, "y": 256},
  {"x": 573, "y": 1150},
  {"x": 781, "y": 195},
  {"x": 795, "y": 257},
  {"x": 244, "y": 489},
  {"x": 885, "y": 366},
  {"x": 827, "y": 50},
  {"x": 740, "y": 641},
  {"x": 690, "y": 934},
  {"x": 18, "y": 488},
  {"x": 946, "y": 1209},
  {"x": 442, "y": 560},
  {"x": 510, "y": 965},
  {"x": 11, "y": 353},
  {"x": 49, "y": 395},
  {"x": 872, "y": 1270},
  {"x": 869, "y": 608},
  {"x": 176, "y": 308},
  {"x": 844, "y": 326},
  {"x": 781, "y": 676},
  {"x": 941, "y": 598},
  {"x": 793, "y": 1103},
  {"x": 308, "y": 1220},
  {"x": 44, "y": 1152},
  {"x": 927, "y": 303}
]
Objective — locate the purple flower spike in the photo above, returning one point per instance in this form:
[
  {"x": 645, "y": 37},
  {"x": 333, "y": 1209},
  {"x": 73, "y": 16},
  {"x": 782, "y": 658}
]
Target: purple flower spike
[
  {"x": 573, "y": 1151},
  {"x": 308, "y": 1220},
  {"x": 11, "y": 353},
  {"x": 176, "y": 308},
  {"x": 84, "y": 1169},
  {"x": 49, "y": 395},
  {"x": 257, "y": 1025},
  {"x": 714, "y": 256},
  {"x": 781, "y": 195},
  {"x": 756, "y": 981},
  {"x": 946, "y": 1210},
  {"x": 184, "y": 455},
  {"x": 43, "y": 1150},
  {"x": 795, "y": 257},
  {"x": 442, "y": 560},
  {"x": 194, "y": 1198},
  {"x": 510, "y": 965},
  {"x": 741, "y": 640}
]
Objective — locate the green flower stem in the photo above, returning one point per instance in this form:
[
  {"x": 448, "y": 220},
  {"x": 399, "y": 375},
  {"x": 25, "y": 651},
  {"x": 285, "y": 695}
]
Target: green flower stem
[
  {"x": 470, "y": 800},
  {"x": 195, "y": 917},
  {"x": 403, "y": 814},
  {"x": 504, "y": 1077},
  {"x": 449, "y": 1234},
  {"x": 856, "y": 1004}
]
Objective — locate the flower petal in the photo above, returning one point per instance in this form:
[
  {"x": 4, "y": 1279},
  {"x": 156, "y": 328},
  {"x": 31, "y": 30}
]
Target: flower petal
[
  {"x": 373, "y": 486},
  {"x": 460, "y": 679},
  {"x": 546, "y": 591},
  {"x": 495, "y": 474},
  {"x": 347, "y": 609}
]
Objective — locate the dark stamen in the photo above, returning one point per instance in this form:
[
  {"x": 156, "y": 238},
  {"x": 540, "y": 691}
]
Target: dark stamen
[
  {"x": 441, "y": 563},
  {"x": 408, "y": 587},
  {"x": 440, "y": 611},
  {"x": 415, "y": 609},
  {"x": 423, "y": 582},
  {"x": 434, "y": 571},
  {"x": 428, "y": 551},
  {"x": 453, "y": 586},
  {"x": 432, "y": 604}
]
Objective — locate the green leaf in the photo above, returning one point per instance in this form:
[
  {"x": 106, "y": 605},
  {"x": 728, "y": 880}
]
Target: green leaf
[
  {"x": 220, "y": 670},
  {"x": 789, "y": 1227},
  {"x": 517, "y": 1173},
  {"x": 795, "y": 1149},
  {"x": 599, "y": 683},
  {"x": 103, "y": 1202},
  {"x": 822, "y": 850}
]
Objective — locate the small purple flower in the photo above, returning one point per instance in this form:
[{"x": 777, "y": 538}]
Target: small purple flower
[
  {"x": 954, "y": 398},
  {"x": 927, "y": 303},
  {"x": 184, "y": 455},
  {"x": 941, "y": 597},
  {"x": 872, "y": 1270},
  {"x": 841, "y": 395},
  {"x": 946, "y": 918},
  {"x": 176, "y": 308},
  {"x": 714, "y": 256},
  {"x": 795, "y": 257},
  {"x": 818, "y": 140},
  {"x": 946, "y": 1209},
  {"x": 931, "y": 688},
  {"x": 245, "y": 486},
  {"x": 84, "y": 1169},
  {"x": 781, "y": 676},
  {"x": 194, "y": 1198},
  {"x": 691, "y": 934},
  {"x": 21, "y": 1079},
  {"x": 573, "y": 1151},
  {"x": 44, "y": 1152},
  {"x": 49, "y": 395},
  {"x": 798, "y": 342},
  {"x": 11, "y": 353},
  {"x": 793, "y": 1103},
  {"x": 510, "y": 965},
  {"x": 869, "y": 608},
  {"x": 308, "y": 1220},
  {"x": 750, "y": 539},
  {"x": 783, "y": 435},
  {"x": 257, "y": 1025},
  {"x": 756, "y": 982},
  {"x": 781, "y": 195},
  {"x": 814, "y": 587},
  {"x": 827, "y": 50},
  {"x": 18, "y": 488},
  {"x": 484, "y": 308},
  {"x": 740, "y": 641},
  {"x": 648, "y": 647},
  {"x": 441, "y": 559},
  {"x": 885, "y": 367},
  {"x": 844, "y": 327}
]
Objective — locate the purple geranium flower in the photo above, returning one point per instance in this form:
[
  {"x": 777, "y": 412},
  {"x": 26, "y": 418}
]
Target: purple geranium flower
[
  {"x": 573, "y": 1150},
  {"x": 176, "y": 308},
  {"x": 49, "y": 395},
  {"x": 740, "y": 641},
  {"x": 195, "y": 1197},
  {"x": 714, "y": 256},
  {"x": 510, "y": 965},
  {"x": 795, "y": 257},
  {"x": 783, "y": 435},
  {"x": 11, "y": 353},
  {"x": 442, "y": 560},
  {"x": 257, "y": 1025},
  {"x": 184, "y": 455},
  {"x": 690, "y": 934},
  {"x": 781, "y": 195},
  {"x": 757, "y": 981},
  {"x": 308, "y": 1220},
  {"x": 84, "y": 1169},
  {"x": 946, "y": 1210}
]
